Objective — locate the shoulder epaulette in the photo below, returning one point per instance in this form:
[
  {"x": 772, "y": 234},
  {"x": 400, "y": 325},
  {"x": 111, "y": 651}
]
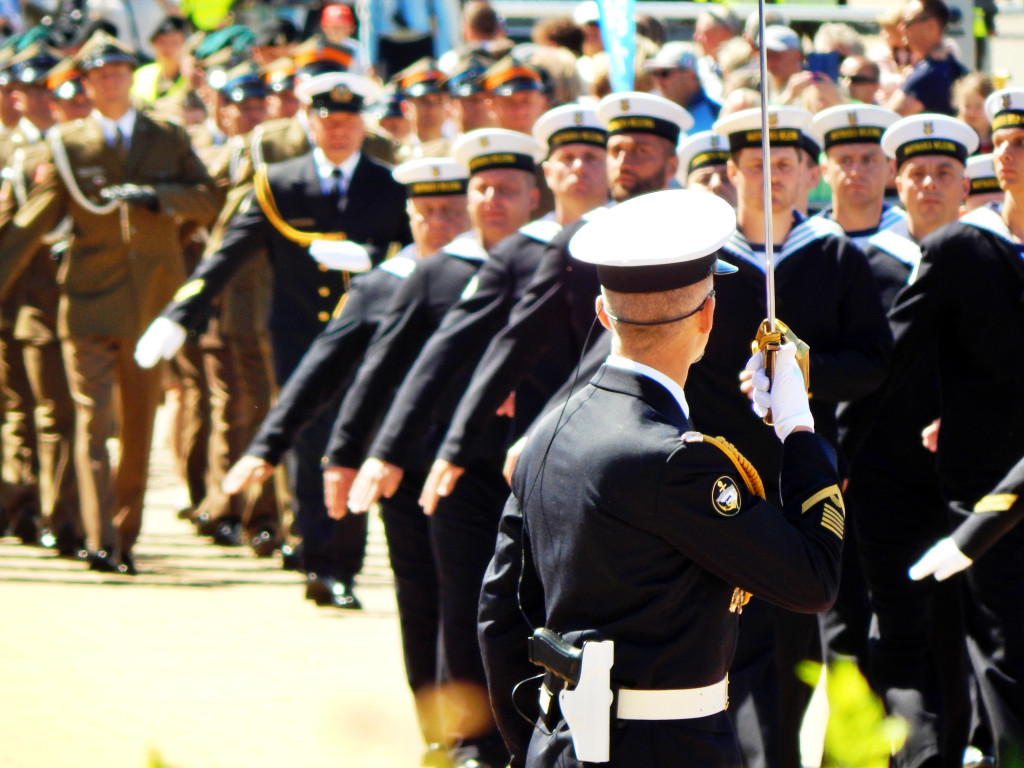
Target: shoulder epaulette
[{"x": 265, "y": 197}]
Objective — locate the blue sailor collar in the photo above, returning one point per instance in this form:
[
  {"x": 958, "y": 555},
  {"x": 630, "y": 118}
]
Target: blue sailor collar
[
  {"x": 804, "y": 232},
  {"x": 896, "y": 242},
  {"x": 892, "y": 216},
  {"x": 402, "y": 263},
  {"x": 987, "y": 217},
  {"x": 543, "y": 229},
  {"x": 466, "y": 246}
]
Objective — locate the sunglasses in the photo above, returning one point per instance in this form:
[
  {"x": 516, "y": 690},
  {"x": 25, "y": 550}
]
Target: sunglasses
[
  {"x": 661, "y": 74},
  {"x": 859, "y": 79},
  {"x": 916, "y": 20}
]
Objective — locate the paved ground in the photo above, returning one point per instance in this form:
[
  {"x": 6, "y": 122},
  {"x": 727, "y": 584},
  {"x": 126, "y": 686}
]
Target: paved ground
[{"x": 209, "y": 657}]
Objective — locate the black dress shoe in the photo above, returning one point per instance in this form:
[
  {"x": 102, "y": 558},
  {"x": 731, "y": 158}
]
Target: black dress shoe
[
  {"x": 102, "y": 561},
  {"x": 227, "y": 534},
  {"x": 291, "y": 557},
  {"x": 327, "y": 591},
  {"x": 64, "y": 541},
  {"x": 265, "y": 542},
  {"x": 127, "y": 565},
  {"x": 26, "y": 527}
]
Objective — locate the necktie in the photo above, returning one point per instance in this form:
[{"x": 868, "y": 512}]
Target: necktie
[
  {"x": 334, "y": 195},
  {"x": 119, "y": 145}
]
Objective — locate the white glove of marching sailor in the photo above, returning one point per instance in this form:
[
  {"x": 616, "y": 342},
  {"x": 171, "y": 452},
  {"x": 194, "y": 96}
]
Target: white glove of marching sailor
[
  {"x": 786, "y": 396},
  {"x": 160, "y": 341},
  {"x": 342, "y": 255},
  {"x": 942, "y": 561}
]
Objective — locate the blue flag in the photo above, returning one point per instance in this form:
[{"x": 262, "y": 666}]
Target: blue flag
[{"x": 618, "y": 30}]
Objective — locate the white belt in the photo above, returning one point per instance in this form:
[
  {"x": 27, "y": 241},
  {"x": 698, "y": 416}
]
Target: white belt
[
  {"x": 673, "y": 704},
  {"x": 678, "y": 704}
]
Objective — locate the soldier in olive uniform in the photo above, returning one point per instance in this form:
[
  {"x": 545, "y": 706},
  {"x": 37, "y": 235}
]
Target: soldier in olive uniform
[
  {"x": 126, "y": 180},
  {"x": 35, "y": 295}
]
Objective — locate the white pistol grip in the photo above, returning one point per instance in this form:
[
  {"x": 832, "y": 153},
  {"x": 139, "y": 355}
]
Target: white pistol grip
[{"x": 587, "y": 707}]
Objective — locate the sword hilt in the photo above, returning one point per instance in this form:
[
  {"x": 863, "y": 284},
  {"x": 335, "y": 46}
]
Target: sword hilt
[{"x": 768, "y": 342}]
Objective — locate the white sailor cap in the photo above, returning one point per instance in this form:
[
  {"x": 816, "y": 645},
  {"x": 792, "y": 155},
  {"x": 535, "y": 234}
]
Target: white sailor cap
[
  {"x": 487, "y": 148},
  {"x": 431, "y": 176},
  {"x": 1005, "y": 108},
  {"x": 787, "y": 127},
  {"x": 852, "y": 124},
  {"x": 637, "y": 112},
  {"x": 981, "y": 170},
  {"x": 636, "y": 244},
  {"x": 569, "y": 124},
  {"x": 699, "y": 150},
  {"x": 928, "y": 134},
  {"x": 336, "y": 92}
]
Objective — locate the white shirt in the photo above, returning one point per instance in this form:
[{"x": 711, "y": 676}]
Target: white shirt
[
  {"x": 615, "y": 361},
  {"x": 325, "y": 170},
  {"x": 109, "y": 127}
]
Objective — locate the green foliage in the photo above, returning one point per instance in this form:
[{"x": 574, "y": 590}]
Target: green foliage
[
  {"x": 156, "y": 761},
  {"x": 859, "y": 734}
]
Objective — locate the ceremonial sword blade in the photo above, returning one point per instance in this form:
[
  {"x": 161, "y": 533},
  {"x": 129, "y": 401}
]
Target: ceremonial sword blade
[{"x": 766, "y": 173}]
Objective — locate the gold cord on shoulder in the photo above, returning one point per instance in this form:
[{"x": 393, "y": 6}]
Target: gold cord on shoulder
[{"x": 266, "y": 200}]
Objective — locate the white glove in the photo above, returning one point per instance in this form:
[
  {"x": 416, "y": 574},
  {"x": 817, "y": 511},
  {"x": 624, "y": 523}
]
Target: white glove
[
  {"x": 942, "y": 561},
  {"x": 160, "y": 341},
  {"x": 787, "y": 397},
  {"x": 343, "y": 255}
]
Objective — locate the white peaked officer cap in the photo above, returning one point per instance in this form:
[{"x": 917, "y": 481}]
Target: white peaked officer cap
[
  {"x": 1005, "y": 108},
  {"x": 657, "y": 242},
  {"x": 487, "y": 148},
  {"x": 636, "y": 112},
  {"x": 701, "y": 149},
  {"x": 570, "y": 124},
  {"x": 852, "y": 124},
  {"x": 981, "y": 170},
  {"x": 928, "y": 134},
  {"x": 431, "y": 176},
  {"x": 336, "y": 92},
  {"x": 787, "y": 127}
]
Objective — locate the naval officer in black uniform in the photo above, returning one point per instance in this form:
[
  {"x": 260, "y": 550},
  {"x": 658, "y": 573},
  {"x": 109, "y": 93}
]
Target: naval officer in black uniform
[
  {"x": 333, "y": 193},
  {"x": 966, "y": 297},
  {"x": 437, "y": 214},
  {"x": 625, "y": 525}
]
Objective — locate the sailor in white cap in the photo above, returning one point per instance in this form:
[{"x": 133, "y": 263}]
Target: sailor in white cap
[
  {"x": 643, "y": 131},
  {"x": 333, "y": 193},
  {"x": 501, "y": 193},
  {"x": 703, "y": 158},
  {"x": 857, "y": 169},
  {"x": 826, "y": 294},
  {"x": 436, "y": 189},
  {"x": 619, "y": 509},
  {"x": 894, "y": 491},
  {"x": 930, "y": 153},
  {"x": 971, "y": 272},
  {"x": 984, "y": 184}
]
